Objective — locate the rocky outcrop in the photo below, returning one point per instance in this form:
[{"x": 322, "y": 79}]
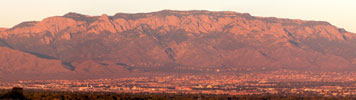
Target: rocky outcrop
[{"x": 156, "y": 41}]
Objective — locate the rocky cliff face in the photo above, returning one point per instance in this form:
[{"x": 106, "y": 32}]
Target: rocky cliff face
[{"x": 164, "y": 40}]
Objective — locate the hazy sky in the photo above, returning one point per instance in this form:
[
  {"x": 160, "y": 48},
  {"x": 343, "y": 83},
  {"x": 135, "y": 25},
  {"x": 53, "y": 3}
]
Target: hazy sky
[{"x": 341, "y": 13}]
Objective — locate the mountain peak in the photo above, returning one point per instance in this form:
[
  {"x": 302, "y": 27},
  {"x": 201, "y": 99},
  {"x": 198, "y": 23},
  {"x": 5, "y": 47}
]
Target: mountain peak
[
  {"x": 202, "y": 12},
  {"x": 80, "y": 17},
  {"x": 313, "y": 23},
  {"x": 104, "y": 17},
  {"x": 25, "y": 24},
  {"x": 74, "y": 14}
]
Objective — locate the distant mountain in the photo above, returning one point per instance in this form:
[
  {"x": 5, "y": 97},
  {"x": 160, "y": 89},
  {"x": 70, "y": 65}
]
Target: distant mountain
[{"x": 174, "y": 41}]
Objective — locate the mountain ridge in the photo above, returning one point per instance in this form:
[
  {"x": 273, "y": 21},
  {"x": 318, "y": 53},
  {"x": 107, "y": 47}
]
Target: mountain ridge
[{"x": 166, "y": 40}]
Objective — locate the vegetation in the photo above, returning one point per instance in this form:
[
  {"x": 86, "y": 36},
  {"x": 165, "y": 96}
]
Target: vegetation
[{"x": 19, "y": 94}]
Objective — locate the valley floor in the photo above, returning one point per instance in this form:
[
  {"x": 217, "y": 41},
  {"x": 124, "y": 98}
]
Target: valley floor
[
  {"x": 281, "y": 82},
  {"x": 65, "y": 95}
]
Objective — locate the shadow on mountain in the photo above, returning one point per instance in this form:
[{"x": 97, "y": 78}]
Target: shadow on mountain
[
  {"x": 68, "y": 65},
  {"x": 130, "y": 68},
  {"x": 40, "y": 55}
]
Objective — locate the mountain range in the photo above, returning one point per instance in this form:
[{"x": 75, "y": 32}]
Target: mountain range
[{"x": 76, "y": 46}]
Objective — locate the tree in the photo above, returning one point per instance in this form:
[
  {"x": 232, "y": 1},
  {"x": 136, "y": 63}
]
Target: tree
[{"x": 16, "y": 93}]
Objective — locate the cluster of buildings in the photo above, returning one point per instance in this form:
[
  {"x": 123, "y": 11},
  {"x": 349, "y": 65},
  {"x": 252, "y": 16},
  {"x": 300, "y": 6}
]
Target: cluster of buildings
[{"x": 273, "y": 82}]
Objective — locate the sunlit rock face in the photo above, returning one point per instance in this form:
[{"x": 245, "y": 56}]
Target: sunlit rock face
[{"x": 165, "y": 40}]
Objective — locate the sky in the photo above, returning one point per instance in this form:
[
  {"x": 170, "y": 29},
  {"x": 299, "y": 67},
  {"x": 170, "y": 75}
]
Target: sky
[{"x": 341, "y": 13}]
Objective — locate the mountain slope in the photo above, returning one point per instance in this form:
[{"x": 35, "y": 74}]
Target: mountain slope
[
  {"x": 2, "y": 29},
  {"x": 189, "y": 40},
  {"x": 19, "y": 65}
]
